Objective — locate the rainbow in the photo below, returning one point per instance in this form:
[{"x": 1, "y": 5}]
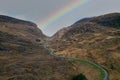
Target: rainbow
[{"x": 61, "y": 12}]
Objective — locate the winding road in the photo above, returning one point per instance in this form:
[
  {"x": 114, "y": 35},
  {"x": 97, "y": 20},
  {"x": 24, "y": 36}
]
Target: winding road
[{"x": 90, "y": 62}]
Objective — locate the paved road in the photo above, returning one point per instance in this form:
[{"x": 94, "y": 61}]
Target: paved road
[{"x": 90, "y": 62}]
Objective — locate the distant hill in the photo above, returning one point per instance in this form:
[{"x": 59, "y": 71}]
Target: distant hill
[{"x": 96, "y": 39}]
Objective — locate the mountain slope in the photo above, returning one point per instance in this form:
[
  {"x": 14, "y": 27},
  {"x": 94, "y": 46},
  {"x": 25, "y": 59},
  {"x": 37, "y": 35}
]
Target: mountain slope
[
  {"x": 23, "y": 55},
  {"x": 18, "y": 35},
  {"x": 96, "y": 39},
  {"x": 21, "y": 28}
]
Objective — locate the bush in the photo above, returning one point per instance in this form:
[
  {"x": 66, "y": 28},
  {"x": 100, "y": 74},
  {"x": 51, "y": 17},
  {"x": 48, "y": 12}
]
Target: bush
[{"x": 79, "y": 77}]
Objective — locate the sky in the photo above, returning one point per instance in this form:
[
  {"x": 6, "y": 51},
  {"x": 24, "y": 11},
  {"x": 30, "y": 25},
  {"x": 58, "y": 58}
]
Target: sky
[{"x": 51, "y": 15}]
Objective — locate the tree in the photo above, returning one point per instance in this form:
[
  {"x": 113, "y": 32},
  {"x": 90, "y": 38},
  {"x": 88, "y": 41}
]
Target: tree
[{"x": 79, "y": 77}]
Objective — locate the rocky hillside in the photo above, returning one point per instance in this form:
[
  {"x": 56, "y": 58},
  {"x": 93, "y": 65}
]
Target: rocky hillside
[
  {"x": 23, "y": 55},
  {"x": 18, "y": 35},
  {"x": 20, "y": 28},
  {"x": 96, "y": 39}
]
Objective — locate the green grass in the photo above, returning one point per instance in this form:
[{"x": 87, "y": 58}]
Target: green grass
[{"x": 102, "y": 74}]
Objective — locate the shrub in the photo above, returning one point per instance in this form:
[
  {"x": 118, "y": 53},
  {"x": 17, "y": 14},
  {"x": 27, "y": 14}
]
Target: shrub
[{"x": 79, "y": 77}]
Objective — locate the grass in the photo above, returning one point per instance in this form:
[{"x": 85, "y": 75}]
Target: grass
[
  {"x": 3, "y": 78},
  {"x": 102, "y": 74},
  {"x": 85, "y": 66}
]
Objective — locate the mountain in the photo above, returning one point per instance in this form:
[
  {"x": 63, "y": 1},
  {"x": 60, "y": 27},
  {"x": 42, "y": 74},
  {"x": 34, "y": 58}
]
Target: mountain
[
  {"x": 21, "y": 28},
  {"x": 18, "y": 35},
  {"x": 25, "y": 56},
  {"x": 96, "y": 39}
]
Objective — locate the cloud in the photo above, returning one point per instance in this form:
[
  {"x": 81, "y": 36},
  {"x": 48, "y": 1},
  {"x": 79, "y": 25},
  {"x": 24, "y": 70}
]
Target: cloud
[
  {"x": 21, "y": 17},
  {"x": 3, "y": 13}
]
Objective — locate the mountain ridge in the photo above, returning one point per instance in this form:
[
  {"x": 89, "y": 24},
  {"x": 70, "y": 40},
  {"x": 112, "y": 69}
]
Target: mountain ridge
[
  {"x": 96, "y": 20},
  {"x": 4, "y": 18}
]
